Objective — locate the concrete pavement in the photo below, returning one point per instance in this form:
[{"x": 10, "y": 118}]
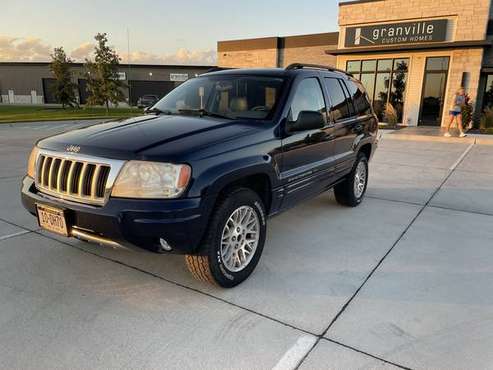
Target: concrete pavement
[{"x": 403, "y": 281}]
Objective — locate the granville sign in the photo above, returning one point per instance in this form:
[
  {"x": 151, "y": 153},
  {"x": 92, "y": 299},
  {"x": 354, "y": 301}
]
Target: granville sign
[{"x": 397, "y": 33}]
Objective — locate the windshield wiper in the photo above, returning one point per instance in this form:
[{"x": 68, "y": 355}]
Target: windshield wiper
[
  {"x": 157, "y": 111},
  {"x": 202, "y": 112}
]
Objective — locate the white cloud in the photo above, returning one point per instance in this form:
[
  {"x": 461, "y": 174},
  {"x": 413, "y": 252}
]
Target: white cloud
[
  {"x": 83, "y": 51},
  {"x": 34, "y": 49},
  {"x": 23, "y": 49},
  {"x": 182, "y": 56}
]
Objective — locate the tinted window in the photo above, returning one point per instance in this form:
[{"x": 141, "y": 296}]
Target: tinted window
[
  {"x": 359, "y": 97},
  {"x": 308, "y": 97},
  {"x": 338, "y": 100}
]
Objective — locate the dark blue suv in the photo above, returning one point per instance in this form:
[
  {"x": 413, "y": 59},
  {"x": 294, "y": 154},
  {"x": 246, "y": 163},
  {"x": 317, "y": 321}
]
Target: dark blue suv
[{"x": 201, "y": 172}]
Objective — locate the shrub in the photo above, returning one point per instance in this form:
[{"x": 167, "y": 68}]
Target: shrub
[
  {"x": 390, "y": 114},
  {"x": 486, "y": 122}
]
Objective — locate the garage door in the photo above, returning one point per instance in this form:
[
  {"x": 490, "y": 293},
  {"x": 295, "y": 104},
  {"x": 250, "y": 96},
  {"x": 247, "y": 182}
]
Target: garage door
[
  {"x": 141, "y": 88},
  {"x": 49, "y": 96},
  {"x": 83, "y": 94}
]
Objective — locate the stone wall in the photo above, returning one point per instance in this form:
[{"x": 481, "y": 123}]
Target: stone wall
[
  {"x": 311, "y": 55},
  {"x": 471, "y": 16},
  {"x": 277, "y": 51},
  {"x": 248, "y": 58}
]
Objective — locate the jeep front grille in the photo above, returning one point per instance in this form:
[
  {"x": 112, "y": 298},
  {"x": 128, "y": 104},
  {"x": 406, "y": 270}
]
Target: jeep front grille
[{"x": 73, "y": 178}]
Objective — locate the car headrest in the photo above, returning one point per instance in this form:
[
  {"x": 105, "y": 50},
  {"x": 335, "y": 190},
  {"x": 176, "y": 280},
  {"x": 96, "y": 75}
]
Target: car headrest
[{"x": 238, "y": 104}]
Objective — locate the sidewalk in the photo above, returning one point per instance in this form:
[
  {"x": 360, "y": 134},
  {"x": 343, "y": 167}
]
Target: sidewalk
[{"x": 435, "y": 134}]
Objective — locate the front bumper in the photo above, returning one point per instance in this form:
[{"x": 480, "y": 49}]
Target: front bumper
[{"x": 132, "y": 222}]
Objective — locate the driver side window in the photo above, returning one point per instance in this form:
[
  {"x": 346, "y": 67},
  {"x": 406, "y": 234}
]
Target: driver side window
[{"x": 308, "y": 97}]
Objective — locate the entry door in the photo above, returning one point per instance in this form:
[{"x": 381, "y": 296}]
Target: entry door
[{"x": 433, "y": 94}]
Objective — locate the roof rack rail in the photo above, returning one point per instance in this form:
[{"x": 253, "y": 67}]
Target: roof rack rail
[
  {"x": 315, "y": 66},
  {"x": 217, "y": 69}
]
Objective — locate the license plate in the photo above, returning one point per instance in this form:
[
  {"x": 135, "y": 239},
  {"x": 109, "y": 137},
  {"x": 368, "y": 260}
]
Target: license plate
[{"x": 52, "y": 219}]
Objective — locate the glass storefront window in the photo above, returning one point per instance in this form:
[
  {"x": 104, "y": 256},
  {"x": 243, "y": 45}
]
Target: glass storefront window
[
  {"x": 437, "y": 64},
  {"x": 433, "y": 92},
  {"x": 368, "y": 81},
  {"x": 381, "y": 98},
  {"x": 385, "y": 82},
  {"x": 353, "y": 66},
  {"x": 401, "y": 64},
  {"x": 398, "y": 88},
  {"x": 368, "y": 66},
  {"x": 488, "y": 93},
  {"x": 385, "y": 65}
]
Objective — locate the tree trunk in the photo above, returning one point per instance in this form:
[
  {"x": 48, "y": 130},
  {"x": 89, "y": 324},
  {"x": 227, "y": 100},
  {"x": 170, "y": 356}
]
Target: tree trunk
[{"x": 107, "y": 107}]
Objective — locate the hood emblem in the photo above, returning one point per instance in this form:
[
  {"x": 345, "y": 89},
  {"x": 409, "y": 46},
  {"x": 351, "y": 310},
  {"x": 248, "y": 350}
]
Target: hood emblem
[{"x": 72, "y": 149}]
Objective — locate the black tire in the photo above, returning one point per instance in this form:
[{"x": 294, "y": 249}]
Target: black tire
[
  {"x": 345, "y": 191},
  {"x": 208, "y": 264}
]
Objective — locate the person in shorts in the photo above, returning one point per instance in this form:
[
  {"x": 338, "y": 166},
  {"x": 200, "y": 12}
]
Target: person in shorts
[{"x": 456, "y": 112}]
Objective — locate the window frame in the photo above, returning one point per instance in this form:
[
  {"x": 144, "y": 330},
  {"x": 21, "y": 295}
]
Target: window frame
[{"x": 294, "y": 90}]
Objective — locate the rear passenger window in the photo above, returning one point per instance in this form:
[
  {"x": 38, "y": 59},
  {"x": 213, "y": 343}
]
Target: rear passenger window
[
  {"x": 338, "y": 99},
  {"x": 359, "y": 97},
  {"x": 308, "y": 97}
]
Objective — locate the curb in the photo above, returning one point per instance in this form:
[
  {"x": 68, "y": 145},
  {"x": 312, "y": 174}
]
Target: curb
[{"x": 473, "y": 139}]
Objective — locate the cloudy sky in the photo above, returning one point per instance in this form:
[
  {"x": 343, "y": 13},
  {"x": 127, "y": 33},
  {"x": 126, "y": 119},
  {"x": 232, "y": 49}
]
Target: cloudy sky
[{"x": 161, "y": 31}]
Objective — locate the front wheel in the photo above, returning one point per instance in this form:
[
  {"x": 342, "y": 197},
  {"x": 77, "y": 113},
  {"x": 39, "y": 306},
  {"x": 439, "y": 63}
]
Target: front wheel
[
  {"x": 351, "y": 191},
  {"x": 234, "y": 240}
]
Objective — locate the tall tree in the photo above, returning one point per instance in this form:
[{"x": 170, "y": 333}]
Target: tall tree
[
  {"x": 63, "y": 88},
  {"x": 103, "y": 84}
]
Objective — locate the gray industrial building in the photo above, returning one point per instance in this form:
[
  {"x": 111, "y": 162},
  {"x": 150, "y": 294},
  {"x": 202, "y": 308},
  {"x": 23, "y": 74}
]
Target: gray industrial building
[{"x": 30, "y": 83}]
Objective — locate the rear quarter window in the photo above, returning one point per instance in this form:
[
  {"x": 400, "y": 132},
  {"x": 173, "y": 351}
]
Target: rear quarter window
[{"x": 359, "y": 97}]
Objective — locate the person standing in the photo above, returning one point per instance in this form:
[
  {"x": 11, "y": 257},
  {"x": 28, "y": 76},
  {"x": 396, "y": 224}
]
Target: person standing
[{"x": 456, "y": 112}]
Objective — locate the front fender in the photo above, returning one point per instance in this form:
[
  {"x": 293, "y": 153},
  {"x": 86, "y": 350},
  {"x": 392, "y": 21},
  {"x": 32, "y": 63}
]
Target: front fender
[{"x": 215, "y": 178}]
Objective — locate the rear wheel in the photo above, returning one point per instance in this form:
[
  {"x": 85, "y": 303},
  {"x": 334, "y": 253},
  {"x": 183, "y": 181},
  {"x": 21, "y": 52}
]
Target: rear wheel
[
  {"x": 234, "y": 240},
  {"x": 352, "y": 190}
]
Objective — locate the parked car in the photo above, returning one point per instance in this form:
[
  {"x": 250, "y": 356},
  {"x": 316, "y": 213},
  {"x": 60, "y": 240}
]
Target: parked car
[
  {"x": 201, "y": 173},
  {"x": 147, "y": 101}
]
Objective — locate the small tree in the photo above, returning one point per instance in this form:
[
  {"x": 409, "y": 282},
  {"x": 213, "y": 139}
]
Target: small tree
[
  {"x": 103, "y": 84},
  {"x": 63, "y": 88}
]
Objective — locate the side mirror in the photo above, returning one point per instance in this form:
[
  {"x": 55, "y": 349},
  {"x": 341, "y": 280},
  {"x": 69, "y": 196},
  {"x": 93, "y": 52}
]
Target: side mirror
[{"x": 307, "y": 120}]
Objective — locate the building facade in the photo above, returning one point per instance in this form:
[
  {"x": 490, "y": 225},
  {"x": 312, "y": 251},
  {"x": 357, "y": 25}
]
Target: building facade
[
  {"x": 30, "y": 83},
  {"x": 277, "y": 51},
  {"x": 412, "y": 56}
]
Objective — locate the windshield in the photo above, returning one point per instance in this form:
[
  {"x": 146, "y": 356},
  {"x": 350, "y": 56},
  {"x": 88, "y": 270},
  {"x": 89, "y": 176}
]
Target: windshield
[{"x": 252, "y": 97}]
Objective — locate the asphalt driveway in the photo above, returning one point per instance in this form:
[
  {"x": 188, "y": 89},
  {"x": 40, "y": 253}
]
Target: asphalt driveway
[{"x": 403, "y": 281}]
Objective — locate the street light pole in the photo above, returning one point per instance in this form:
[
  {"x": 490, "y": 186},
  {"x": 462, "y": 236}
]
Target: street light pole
[{"x": 128, "y": 73}]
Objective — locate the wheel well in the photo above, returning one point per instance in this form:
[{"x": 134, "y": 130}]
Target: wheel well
[
  {"x": 366, "y": 149},
  {"x": 259, "y": 183}
]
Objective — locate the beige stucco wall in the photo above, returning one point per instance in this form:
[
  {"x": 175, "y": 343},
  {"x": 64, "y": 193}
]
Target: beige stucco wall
[{"x": 468, "y": 21}]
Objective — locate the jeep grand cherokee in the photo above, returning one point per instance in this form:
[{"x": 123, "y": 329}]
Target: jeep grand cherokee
[{"x": 201, "y": 172}]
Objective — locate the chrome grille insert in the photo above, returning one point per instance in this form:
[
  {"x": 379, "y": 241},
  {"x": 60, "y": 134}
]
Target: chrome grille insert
[{"x": 74, "y": 177}]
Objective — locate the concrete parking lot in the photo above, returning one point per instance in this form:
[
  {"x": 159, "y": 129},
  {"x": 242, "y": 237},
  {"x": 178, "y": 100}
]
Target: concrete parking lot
[{"x": 403, "y": 281}]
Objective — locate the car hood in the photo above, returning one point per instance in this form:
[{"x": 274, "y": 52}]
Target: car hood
[{"x": 147, "y": 136}]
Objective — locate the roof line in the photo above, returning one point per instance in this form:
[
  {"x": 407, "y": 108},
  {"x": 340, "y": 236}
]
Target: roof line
[
  {"x": 136, "y": 65},
  {"x": 355, "y": 2}
]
